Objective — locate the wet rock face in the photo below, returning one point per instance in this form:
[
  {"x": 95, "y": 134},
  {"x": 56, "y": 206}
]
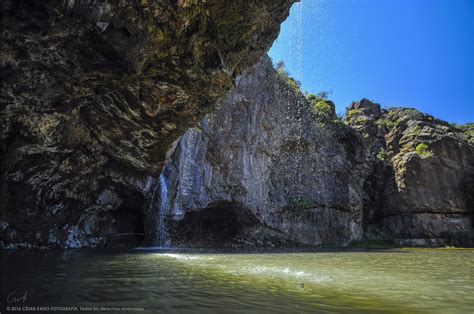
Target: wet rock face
[
  {"x": 95, "y": 92},
  {"x": 321, "y": 183},
  {"x": 265, "y": 150}
]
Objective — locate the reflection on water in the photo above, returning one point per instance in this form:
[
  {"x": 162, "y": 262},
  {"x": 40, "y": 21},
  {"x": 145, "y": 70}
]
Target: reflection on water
[{"x": 392, "y": 281}]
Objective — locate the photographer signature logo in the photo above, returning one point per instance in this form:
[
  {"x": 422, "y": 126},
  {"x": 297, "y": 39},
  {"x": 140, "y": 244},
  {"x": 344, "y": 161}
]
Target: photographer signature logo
[{"x": 15, "y": 297}]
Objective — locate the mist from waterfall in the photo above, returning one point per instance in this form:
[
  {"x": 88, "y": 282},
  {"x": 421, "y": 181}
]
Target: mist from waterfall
[{"x": 295, "y": 107}]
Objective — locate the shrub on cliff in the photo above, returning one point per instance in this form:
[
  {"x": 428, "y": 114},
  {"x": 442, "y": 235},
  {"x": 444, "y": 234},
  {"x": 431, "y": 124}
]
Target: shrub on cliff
[
  {"x": 423, "y": 150},
  {"x": 382, "y": 154},
  {"x": 323, "y": 109},
  {"x": 352, "y": 113},
  {"x": 467, "y": 129},
  {"x": 321, "y": 95},
  {"x": 285, "y": 76}
]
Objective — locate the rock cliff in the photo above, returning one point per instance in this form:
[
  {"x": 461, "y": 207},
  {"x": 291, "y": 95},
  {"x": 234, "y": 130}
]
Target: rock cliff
[
  {"x": 264, "y": 153},
  {"x": 94, "y": 93},
  {"x": 270, "y": 167},
  {"x": 428, "y": 189}
]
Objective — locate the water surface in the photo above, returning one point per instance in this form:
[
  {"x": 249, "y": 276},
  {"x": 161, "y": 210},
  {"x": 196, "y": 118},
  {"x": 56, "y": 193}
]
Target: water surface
[{"x": 415, "y": 281}]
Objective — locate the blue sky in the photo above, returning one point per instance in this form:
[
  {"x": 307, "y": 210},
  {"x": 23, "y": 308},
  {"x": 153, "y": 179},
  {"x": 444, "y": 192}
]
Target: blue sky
[{"x": 410, "y": 53}]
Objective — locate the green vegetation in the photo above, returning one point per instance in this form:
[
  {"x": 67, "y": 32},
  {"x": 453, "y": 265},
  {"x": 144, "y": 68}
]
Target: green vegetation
[
  {"x": 465, "y": 126},
  {"x": 423, "y": 150},
  {"x": 470, "y": 135},
  {"x": 321, "y": 95},
  {"x": 285, "y": 77},
  {"x": 360, "y": 120},
  {"x": 413, "y": 131},
  {"x": 382, "y": 154},
  {"x": 300, "y": 202},
  {"x": 323, "y": 109},
  {"x": 467, "y": 129},
  {"x": 385, "y": 122},
  {"x": 351, "y": 113}
]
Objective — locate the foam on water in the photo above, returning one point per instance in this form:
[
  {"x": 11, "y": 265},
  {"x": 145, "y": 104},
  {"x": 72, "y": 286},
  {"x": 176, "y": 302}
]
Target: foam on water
[
  {"x": 287, "y": 272},
  {"x": 188, "y": 258},
  {"x": 181, "y": 257},
  {"x": 266, "y": 271}
]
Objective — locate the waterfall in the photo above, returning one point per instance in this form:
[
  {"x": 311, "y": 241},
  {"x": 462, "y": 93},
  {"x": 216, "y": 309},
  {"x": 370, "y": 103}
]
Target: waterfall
[{"x": 163, "y": 236}]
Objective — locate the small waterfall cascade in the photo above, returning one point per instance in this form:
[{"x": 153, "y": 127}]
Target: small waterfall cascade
[{"x": 163, "y": 238}]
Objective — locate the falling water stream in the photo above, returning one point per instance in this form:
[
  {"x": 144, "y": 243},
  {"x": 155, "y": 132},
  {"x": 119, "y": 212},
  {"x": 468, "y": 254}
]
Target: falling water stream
[{"x": 163, "y": 236}]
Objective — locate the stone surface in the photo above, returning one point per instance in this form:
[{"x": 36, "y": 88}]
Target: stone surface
[
  {"x": 429, "y": 187},
  {"x": 94, "y": 93},
  {"x": 267, "y": 153}
]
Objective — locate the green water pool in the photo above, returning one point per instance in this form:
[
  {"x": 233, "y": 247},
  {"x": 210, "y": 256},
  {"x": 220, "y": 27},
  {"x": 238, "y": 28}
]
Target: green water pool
[{"x": 151, "y": 281}]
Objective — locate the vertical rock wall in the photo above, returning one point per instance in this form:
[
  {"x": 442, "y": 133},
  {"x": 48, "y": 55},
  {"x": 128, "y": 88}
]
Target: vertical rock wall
[{"x": 265, "y": 152}]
